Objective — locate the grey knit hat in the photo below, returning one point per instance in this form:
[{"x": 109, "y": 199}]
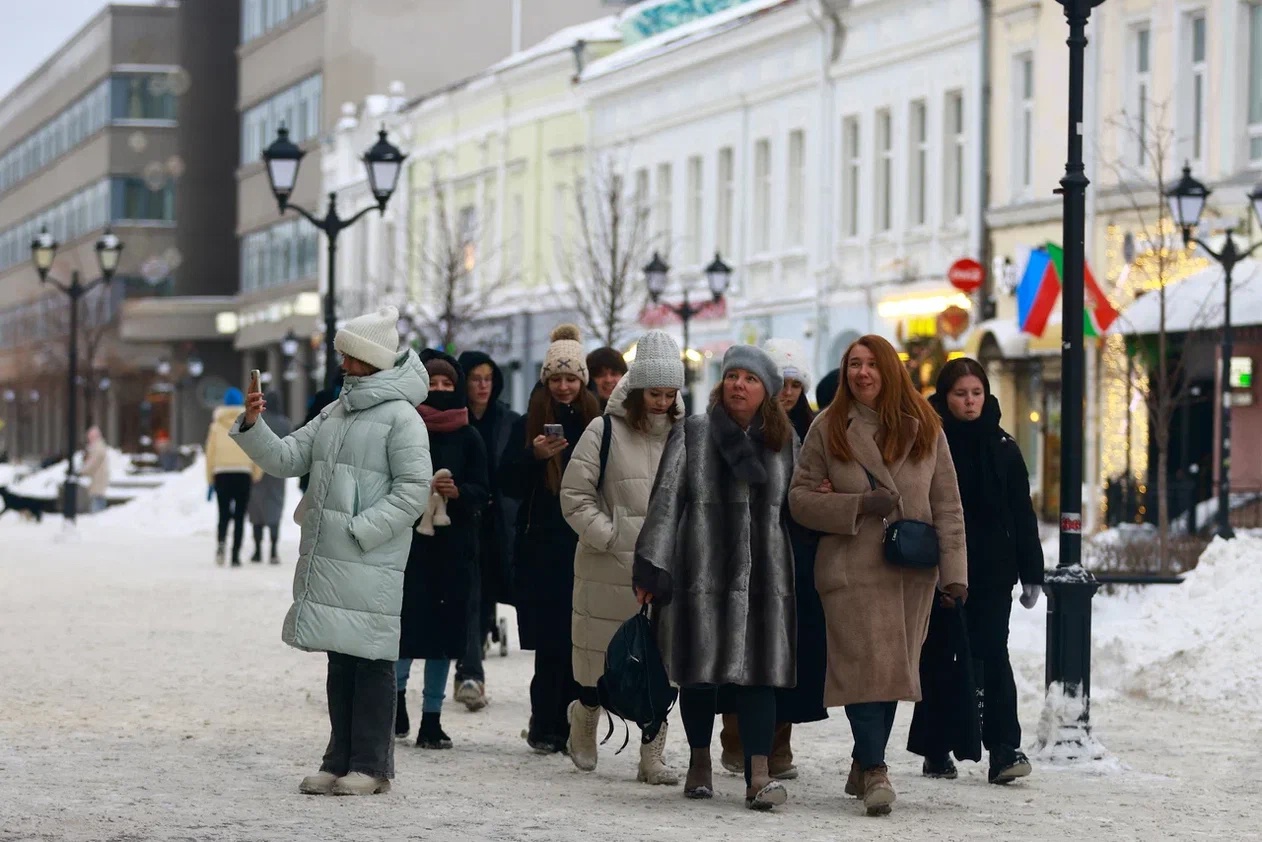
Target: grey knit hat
[
  {"x": 755, "y": 360},
  {"x": 658, "y": 364}
]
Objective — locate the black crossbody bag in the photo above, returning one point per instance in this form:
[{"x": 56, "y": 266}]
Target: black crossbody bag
[{"x": 908, "y": 543}]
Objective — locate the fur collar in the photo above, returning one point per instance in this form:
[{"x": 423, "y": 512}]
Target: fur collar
[{"x": 742, "y": 451}]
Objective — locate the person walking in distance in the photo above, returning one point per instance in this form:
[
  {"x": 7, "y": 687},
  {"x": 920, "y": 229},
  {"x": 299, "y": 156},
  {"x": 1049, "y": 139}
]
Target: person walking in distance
[
  {"x": 560, "y": 409},
  {"x": 877, "y": 454},
  {"x": 715, "y": 557},
  {"x": 96, "y": 467},
  {"x": 368, "y": 456},
  {"x": 267, "y": 498},
  {"x": 605, "y": 496},
  {"x": 605, "y": 366},
  {"x": 440, "y": 567},
  {"x": 493, "y": 421},
  {"x": 230, "y": 474},
  {"x": 1003, "y": 548}
]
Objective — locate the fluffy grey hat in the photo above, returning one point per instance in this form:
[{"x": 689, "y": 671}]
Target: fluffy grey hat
[
  {"x": 755, "y": 360},
  {"x": 658, "y": 364}
]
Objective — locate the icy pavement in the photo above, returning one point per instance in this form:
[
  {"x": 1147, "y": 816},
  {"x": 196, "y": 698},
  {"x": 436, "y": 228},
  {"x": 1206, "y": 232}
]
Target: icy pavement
[{"x": 145, "y": 694}]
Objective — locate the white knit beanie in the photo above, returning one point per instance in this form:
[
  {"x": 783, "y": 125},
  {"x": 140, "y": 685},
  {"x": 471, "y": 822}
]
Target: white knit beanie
[
  {"x": 658, "y": 364},
  {"x": 372, "y": 338},
  {"x": 791, "y": 359},
  {"x": 566, "y": 355}
]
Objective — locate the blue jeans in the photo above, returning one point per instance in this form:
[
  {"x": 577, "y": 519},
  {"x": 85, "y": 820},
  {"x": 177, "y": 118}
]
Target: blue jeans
[
  {"x": 99, "y": 504},
  {"x": 435, "y": 688}
]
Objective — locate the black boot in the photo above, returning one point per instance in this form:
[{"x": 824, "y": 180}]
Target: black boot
[
  {"x": 258, "y": 554},
  {"x": 1006, "y": 765},
  {"x": 402, "y": 725},
  {"x": 431, "y": 734},
  {"x": 940, "y": 767}
]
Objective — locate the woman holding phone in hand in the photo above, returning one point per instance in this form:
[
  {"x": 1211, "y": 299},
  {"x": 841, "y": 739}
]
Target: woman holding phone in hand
[{"x": 560, "y": 409}]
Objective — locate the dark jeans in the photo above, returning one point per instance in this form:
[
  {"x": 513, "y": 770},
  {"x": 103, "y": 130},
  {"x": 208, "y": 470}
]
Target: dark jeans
[
  {"x": 871, "y": 724},
  {"x": 273, "y": 531},
  {"x": 470, "y": 666},
  {"x": 361, "y": 711},
  {"x": 987, "y": 615},
  {"x": 232, "y": 491},
  {"x": 755, "y": 715},
  {"x": 551, "y": 691}
]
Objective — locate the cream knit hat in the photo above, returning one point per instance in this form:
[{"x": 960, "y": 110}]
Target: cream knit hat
[
  {"x": 566, "y": 355},
  {"x": 372, "y": 338},
  {"x": 791, "y": 359},
  {"x": 657, "y": 364}
]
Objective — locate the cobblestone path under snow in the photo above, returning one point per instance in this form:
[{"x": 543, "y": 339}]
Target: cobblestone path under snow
[{"x": 145, "y": 694}]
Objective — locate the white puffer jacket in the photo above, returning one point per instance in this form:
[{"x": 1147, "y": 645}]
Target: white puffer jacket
[{"x": 607, "y": 523}]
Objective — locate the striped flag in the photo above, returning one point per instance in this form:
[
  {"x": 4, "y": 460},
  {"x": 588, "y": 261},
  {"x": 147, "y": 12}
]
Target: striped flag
[{"x": 1039, "y": 291}]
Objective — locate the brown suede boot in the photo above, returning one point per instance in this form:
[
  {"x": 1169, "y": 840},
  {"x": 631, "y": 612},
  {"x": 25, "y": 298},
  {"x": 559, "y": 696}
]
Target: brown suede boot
[
  {"x": 763, "y": 791},
  {"x": 780, "y": 762},
  {"x": 854, "y": 782},
  {"x": 700, "y": 780},
  {"x": 733, "y": 756},
  {"x": 878, "y": 793}
]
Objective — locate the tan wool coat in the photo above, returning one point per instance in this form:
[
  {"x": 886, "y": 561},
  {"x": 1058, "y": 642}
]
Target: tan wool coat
[
  {"x": 876, "y": 614},
  {"x": 607, "y": 523}
]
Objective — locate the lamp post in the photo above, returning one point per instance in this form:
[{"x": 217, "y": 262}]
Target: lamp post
[
  {"x": 43, "y": 252},
  {"x": 718, "y": 276},
  {"x": 383, "y": 162},
  {"x": 1187, "y": 202},
  {"x": 194, "y": 368},
  {"x": 1069, "y": 587}
]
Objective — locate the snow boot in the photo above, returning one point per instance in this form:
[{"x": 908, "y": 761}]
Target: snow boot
[
  {"x": 653, "y": 768},
  {"x": 940, "y": 767},
  {"x": 582, "y": 740},
  {"x": 275, "y": 559},
  {"x": 732, "y": 758},
  {"x": 219, "y": 554},
  {"x": 763, "y": 792},
  {"x": 700, "y": 780},
  {"x": 402, "y": 725},
  {"x": 258, "y": 555},
  {"x": 1008, "y": 766},
  {"x": 321, "y": 783},
  {"x": 357, "y": 783},
  {"x": 472, "y": 694},
  {"x": 780, "y": 761},
  {"x": 878, "y": 792},
  {"x": 431, "y": 734},
  {"x": 854, "y": 781}
]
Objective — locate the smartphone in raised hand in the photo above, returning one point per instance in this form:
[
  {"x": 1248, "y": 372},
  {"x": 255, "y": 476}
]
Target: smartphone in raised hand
[
  {"x": 256, "y": 382},
  {"x": 554, "y": 431}
]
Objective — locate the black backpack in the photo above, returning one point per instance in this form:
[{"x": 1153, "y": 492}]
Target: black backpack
[
  {"x": 606, "y": 440},
  {"x": 634, "y": 686}
]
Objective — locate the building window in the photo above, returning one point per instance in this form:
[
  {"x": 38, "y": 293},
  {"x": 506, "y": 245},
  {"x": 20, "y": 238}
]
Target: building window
[
  {"x": 762, "y": 196},
  {"x": 953, "y": 157},
  {"x": 1140, "y": 60},
  {"x": 918, "y": 209},
  {"x": 258, "y": 17},
  {"x": 696, "y": 201},
  {"x": 725, "y": 201},
  {"x": 1023, "y": 125},
  {"x": 297, "y": 108},
  {"x": 665, "y": 210},
  {"x": 1193, "y": 127},
  {"x": 795, "y": 211},
  {"x": 73, "y": 217},
  {"x": 132, "y": 199},
  {"x": 1255, "y": 83},
  {"x": 141, "y": 96},
  {"x": 851, "y": 163},
  {"x": 76, "y": 123},
  {"x": 884, "y": 170},
  {"x": 282, "y": 254}
]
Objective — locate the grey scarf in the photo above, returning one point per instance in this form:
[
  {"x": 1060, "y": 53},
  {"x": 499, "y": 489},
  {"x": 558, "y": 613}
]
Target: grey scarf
[{"x": 742, "y": 451}]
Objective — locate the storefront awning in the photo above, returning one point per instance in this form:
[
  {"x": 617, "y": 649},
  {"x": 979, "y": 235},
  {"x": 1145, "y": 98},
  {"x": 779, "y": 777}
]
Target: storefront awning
[{"x": 1013, "y": 344}]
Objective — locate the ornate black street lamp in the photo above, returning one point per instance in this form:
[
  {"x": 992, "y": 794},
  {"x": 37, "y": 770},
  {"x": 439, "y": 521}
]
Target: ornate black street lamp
[
  {"x": 383, "y": 162},
  {"x": 43, "y": 252},
  {"x": 656, "y": 276}
]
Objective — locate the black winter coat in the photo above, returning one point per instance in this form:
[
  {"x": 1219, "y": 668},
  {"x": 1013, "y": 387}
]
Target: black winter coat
[
  {"x": 999, "y": 521},
  {"x": 439, "y": 575},
  {"x": 543, "y": 554}
]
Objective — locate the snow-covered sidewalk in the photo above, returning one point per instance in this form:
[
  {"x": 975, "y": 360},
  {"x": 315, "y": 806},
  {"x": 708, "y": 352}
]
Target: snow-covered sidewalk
[{"x": 145, "y": 694}]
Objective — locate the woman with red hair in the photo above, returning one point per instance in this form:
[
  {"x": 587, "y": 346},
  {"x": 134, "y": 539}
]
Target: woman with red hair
[{"x": 877, "y": 455}]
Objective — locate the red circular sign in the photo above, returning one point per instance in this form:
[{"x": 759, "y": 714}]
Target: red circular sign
[{"x": 966, "y": 274}]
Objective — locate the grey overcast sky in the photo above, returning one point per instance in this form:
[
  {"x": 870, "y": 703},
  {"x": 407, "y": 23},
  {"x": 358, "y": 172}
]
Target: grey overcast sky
[{"x": 33, "y": 29}]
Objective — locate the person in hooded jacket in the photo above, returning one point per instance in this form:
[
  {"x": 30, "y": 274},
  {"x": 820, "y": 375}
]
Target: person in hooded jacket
[
  {"x": 606, "y": 505},
  {"x": 230, "y": 474},
  {"x": 1002, "y": 538},
  {"x": 826, "y": 391},
  {"x": 440, "y": 570},
  {"x": 543, "y": 554},
  {"x": 368, "y": 456},
  {"x": 267, "y": 498},
  {"x": 493, "y": 421}
]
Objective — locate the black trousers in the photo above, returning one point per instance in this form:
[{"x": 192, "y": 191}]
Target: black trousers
[
  {"x": 551, "y": 690},
  {"x": 361, "y": 712},
  {"x": 232, "y": 491},
  {"x": 755, "y": 715},
  {"x": 273, "y": 531},
  {"x": 987, "y": 615},
  {"x": 470, "y": 666},
  {"x": 871, "y": 724}
]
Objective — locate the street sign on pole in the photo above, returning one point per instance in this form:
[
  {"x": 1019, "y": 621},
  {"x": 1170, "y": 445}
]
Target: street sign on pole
[{"x": 966, "y": 275}]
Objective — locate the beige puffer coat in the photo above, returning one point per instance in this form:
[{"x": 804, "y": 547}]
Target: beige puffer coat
[{"x": 607, "y": 523}]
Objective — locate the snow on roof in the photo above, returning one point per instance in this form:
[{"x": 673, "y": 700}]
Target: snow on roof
[
  {"x": 1008, "y": 336},
  {"x": 1196, "y": 303},
  {"x": 679, "y": 36},
  {"x": 602, "y": 29}
]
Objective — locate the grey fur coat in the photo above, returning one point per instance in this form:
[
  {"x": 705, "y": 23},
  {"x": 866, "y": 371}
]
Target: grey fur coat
[{"x": 715, "y": 553}]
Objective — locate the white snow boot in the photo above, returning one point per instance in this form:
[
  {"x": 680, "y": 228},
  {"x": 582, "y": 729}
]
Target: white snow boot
[
  {"x": 357, "y": 783},
  {"x": 219, "y": 554},
  {"x": 582, "y": 742},
  {"x": 472, "y": 694},
  {"x": 653, "y": 768},
  {"x": 321, "y": 783}
]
